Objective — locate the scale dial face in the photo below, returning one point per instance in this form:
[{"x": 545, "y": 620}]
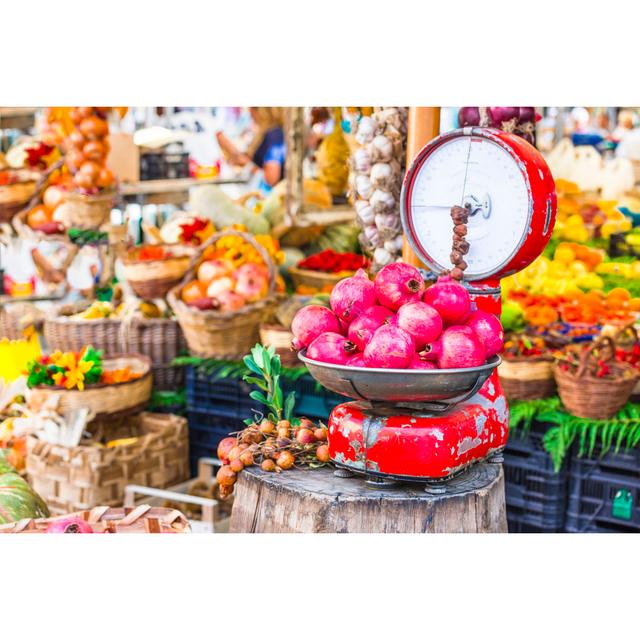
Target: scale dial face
[{"x": 490, "y": 174}]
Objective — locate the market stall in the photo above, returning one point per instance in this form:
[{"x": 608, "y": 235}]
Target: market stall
[{"x": 409, "y": 330}]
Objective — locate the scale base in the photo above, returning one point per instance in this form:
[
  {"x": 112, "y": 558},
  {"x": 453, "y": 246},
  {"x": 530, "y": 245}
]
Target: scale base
[{"x": 410, "y": 446}]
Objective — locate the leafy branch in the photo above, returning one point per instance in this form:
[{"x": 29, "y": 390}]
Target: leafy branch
[{"x": 264, "y": 364}]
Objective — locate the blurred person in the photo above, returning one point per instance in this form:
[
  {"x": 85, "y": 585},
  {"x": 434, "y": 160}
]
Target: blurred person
[{"x": 266, "y": 151}]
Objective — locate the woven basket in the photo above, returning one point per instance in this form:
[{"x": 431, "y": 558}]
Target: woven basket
[
  {"x": 225, "y": 336},
  {"x": 277, "y": 336},
  {"x": 586, "y": 396},
  {"x": 65, "y": 333},
  {"x": 527, "y": 378},
  {"x": 154, "y": 278},
  {"x": 15, "y": 317},
  {"x": 317, "y": 279},
  {"x": 108, "y": 400},
  {"x": 82, "y": 477},
  {"x": 104, "y": 519},
  {"x": 85, "y": 212},
  {"x": 161, "y": 340},
  {"x": 14, "y": 197}
]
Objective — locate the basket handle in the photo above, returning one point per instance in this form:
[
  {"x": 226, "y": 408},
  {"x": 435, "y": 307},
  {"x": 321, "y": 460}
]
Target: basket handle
[
  {"x": 247, "y": 237},
  {"x": 587, "y": 353},
  {"x": 628, "y": 327}
]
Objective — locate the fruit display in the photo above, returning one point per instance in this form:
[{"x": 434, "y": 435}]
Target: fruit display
[
  {"x": 329, "y": 261},
  {"x": 75, "y": 370},
  {"x": 278, "y": 441},
  {"x": 104, "y": 309},
  {"x": 87, "y": 148},
  {"x": 377, "y": 169},
  {"x": 396, "y": 322}
]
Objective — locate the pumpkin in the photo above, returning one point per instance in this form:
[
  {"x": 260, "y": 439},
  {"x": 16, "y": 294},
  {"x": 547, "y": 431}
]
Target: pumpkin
[{"x": 17, "y": 499}]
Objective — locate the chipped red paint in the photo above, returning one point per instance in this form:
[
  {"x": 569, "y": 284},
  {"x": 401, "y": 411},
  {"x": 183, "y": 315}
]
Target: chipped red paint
[{"x": 435, "y": 446}]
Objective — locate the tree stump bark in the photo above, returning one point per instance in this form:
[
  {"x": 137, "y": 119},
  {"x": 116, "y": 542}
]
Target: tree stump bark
[{"x": 315, "y": 501}]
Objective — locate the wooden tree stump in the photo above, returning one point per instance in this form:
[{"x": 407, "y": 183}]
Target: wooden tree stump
[{"x": 315, "y": 501}]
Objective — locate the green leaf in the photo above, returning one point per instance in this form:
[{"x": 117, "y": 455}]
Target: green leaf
[
  {"x": 259, "y": 397},
  {"x": 261, "y": 384},
  {"x": 249, "y": 361},
  {"x": 289, "y": 405}
]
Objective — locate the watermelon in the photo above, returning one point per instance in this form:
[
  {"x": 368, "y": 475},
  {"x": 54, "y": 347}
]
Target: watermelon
[{"x": 17, "y": 499}]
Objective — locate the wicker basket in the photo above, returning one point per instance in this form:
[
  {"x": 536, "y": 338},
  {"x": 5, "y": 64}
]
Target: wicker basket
[
  {"x": 225, "y": 336},
  {"x": 65, "y": 333},
  {"x": 108, "y": 400},
  {"x": 317, "y": 279},
  {"x": 90, "y": 474},
  {"x": 104, "y": 519},
  {"x": 586, "y": 396},
  {"x": 15, "y": 197},
  {"x": 15, "y": 317},
  {"x": 154, "y": 278},
  {"x": 527, "y": 378},
  {"x": 277, "y": 336},
  {"x": 85, "y": 212},
  {"x": 161, "y": 340}
]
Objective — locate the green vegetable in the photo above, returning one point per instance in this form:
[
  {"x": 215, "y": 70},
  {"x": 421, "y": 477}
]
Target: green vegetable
[
  {"x": 512, "y": 317},
  {"x": 17, "y": 499}
]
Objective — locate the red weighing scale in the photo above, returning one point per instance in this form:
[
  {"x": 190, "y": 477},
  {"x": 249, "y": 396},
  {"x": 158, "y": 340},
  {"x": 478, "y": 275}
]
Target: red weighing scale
[{"x": 430, "y": 425}]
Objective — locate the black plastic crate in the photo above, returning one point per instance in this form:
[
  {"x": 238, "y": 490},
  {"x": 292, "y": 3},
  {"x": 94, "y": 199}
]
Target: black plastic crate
[
  {"x": 205, "y": 432},
  {"x": 604, "y": 494},
  {"x": 164, "y": 166},
  {"x": 536, "y": 496}
]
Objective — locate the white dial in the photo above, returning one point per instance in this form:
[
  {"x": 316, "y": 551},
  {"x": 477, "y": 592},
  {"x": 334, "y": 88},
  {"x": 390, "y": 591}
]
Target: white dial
[{"x": 475, "y": 171}]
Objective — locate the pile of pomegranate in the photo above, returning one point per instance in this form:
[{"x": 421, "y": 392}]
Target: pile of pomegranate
[{"x": 395, "y": 322}]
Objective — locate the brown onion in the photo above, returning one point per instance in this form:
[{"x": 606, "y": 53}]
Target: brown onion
[
  {"x": 236, "y": 465},
  {"x": 305, "y": 423},
  {"x": 305, "y": 436},
  {"x": 268, "y": 465},
  {"x": 267, "y": 427},
  {"x": 285, "y": 460},
  {"x": 224, "y": 447},
  {"x": 320, "y": 433},
  {"x": 322, "y": 453},
  {"x": 246, "y": 457},
  {"x": 283, "y": 432},
  {"x": 226, "y": 476},
  {"x": 236, "y": 451}
]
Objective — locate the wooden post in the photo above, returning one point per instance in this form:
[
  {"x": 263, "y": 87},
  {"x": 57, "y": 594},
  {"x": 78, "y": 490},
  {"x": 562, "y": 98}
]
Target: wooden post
[
  {"x": 314, "y": 501},
  {"x": 423, "y": 125},
  {"x": 294, "y": 134}
]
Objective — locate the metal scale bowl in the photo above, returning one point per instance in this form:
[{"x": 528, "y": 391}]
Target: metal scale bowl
[{"x": 429, "y": 426}]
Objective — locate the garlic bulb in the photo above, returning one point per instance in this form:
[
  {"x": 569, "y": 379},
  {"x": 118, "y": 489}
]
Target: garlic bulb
[
  {"x": 366, "y": 130},
  {"x": 362, "y": 161},
  {"x": 381, "y": 148},
  {"x": 382, "y": 256},
  {"x": 365, "y": 212},
  {"x": 363, "y": 186},
  {"x": 382, "y": 200},
  {"x": 381, "y": 174},
  {"x": 390, "y": 246},
  {"x": 372, "y": 235}
]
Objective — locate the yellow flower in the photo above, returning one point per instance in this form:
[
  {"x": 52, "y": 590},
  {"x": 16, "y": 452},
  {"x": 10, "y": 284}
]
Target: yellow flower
[{"x": 73, "y": 376}]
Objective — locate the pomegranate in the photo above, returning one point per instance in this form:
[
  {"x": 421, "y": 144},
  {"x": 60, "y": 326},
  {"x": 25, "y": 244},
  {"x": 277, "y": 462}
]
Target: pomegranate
[
  {"x": 421, "y": 321},
  {"x": 397, "y": 284},
  {"x": 251, "y": 282},
  {"x": 220, "y": 285},
  {"x": 357, "y": 360},
  {"x": 450, "y": 299},
  {"x": 331, "y": 347},
  {"x": 212, "y": 269},
  {"x": 312, "y": 321},
  {"x": 390, "y": 348},
  {"x": 361, "y": 330},
  {"x": 457, "y": 348},
  {"x": 230, "y": 301},
  {"x": 418, "y": 362},
  {"x": 489, "y": 329},
  {"x": 352, "y": 296},
  {"x": 72, "y": 524}
]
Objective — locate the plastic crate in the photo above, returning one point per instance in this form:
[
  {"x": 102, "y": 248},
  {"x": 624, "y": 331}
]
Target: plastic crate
[
  {"x": 313, "y": 402},
  {"x": 205, "y": 432},
  {"x": 536, "y": 496},
  {"x": 604, "y": 493}
]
